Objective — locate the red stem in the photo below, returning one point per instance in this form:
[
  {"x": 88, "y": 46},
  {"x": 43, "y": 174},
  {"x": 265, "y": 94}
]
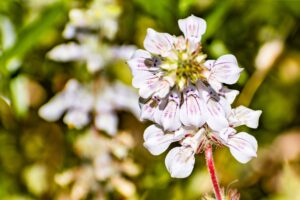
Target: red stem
[{"x": 212, "y": 171}]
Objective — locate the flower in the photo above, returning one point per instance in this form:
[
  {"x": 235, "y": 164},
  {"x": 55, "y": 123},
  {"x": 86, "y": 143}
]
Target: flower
[
  {"x": 86, "y": 26},
  {"x": 101, "y": 14},
  {"x": 96, "y": 55},
  {"x": 180, "y": 160},
  {"x": 185, "y": 96},
  {"x": 107, "y": 162},
  {"x": 79, "y": 101},
  {"x": 176, "y": 67}
]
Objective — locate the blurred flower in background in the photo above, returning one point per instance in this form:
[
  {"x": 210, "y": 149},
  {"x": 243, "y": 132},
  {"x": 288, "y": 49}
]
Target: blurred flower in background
[{"x": 93, "y": 105}]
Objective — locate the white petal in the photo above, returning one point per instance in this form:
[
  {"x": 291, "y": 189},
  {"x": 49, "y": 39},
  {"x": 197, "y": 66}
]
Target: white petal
[
  {"x": 225, "y": 70},
  {"x": 69, "y": 31},
  {"x": 180, "y": 162},
  {"x": 66, "y": 52},
  {"x": 214, "y": 83},
  {"x": 156, "y": 141},
  {"x": 195, "y": 140},
  {"x": 193, "y": 110},
  {"x": 143, "y": 79},
  {"x": 76, "y": 118},
  {"x": 82, "y": 100},
  {"x": 225, "y": 134},
  {"x": 127, "y": 98},
  {"x": 107, "y": 122},
  {"x": 182, "y": 132},
  {"x": 163, "y": 89},
  {"x": 217, "y": 109},
  {"x": 229, "y": 94},
  {"x": 54, "y": 109},
  {"x": 95, "y": 62},
  {"x": 143, "y": 61},
  {"x": 124, "y": 52},
  {"x": 170, "y": 116},
  {"x": 244, "y": 116},
  {"x": 209, "y": 64},
  {"x": 243, "y": 147},
  {"x": 149, "y": 86},
  {"x": 158, "y": 43},
  {"x": 148, "y": 109},
  {"x": 192, "y": 27}
]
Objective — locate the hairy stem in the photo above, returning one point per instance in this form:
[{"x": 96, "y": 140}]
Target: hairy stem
[{"x": 212, "y": 171}]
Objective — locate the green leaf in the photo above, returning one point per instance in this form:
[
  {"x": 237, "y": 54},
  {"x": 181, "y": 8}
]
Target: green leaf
[
  {"x": 30, "y": 35},
  {"x": 164, "y": 11},
  {"x": 19, "y": 95},
  {"x": 216, "y": 18}
]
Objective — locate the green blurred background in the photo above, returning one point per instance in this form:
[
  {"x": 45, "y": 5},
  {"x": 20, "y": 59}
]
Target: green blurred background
[{"x": 264, "y": 35}]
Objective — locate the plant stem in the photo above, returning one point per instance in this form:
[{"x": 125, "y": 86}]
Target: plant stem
[{"x": 212, "y": 171}]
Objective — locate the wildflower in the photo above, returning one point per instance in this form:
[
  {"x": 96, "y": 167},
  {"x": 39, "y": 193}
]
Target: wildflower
[
  {"x": 86, "y": 25},
  {"x": 185, "y": 96},
  {"x": 79, "y": 101},
  {"x": 180, "y": 160},
  {"x": 74, "y": 99},
  {"x": 89, "y": 51},
  {"x": 107, "y": 162},
  {"x": 177, "y": 66},
  {"x": 99, "y": 15}
]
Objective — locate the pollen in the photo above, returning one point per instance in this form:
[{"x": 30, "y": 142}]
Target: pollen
[{"x": 190, "y": 68}]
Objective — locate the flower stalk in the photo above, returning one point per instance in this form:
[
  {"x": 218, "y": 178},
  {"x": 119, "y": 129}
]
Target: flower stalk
[{"x": 211, "y": 168}]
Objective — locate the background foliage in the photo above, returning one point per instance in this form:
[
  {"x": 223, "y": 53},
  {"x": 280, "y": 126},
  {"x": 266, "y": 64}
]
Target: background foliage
[{"x": 263, "y": 34}]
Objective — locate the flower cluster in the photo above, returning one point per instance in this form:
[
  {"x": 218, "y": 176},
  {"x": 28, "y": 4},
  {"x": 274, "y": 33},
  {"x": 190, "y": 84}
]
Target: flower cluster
[
  {"x": 93, "y": 101},
  {"x": 107, "y": 161},
  {"x": 80, "y": 102},
  {"x": 184, "y": 94},
  {"x": 89, "y": 27}
]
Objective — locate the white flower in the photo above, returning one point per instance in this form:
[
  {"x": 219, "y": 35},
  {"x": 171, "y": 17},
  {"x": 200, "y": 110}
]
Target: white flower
[
  {"x": 193, "y": 111},
  {"x": 55, "y": 108},
  {"x": 193, "y": 28},
  {"x": 111, "y": 98},
  {"x": 244, "y": 116},
  {"x": 123, "y": 52},
  {"x": 228, "y": 94},
  {"x": 242, "y": 146},
  {"x": 158, "y": 43},
  {"x": 99, "y": 16},
  {"x": 66, "y": 52},
  {"x": 186, "y": 96},
  {"x": 169, "y": 115},
  {"x": 156, "y": 141},
  {"x": 78, "y": 101},
  {"x": 224, "y": 70},
  {"x": 180, "y": 160},
  {"x": 149, "y": 108},
  {"x": 107, "y": 122},
  {"x": 171, "y": 62},
  {"x": 217, "y": 108},
  {"x": 77, "y": 118}
]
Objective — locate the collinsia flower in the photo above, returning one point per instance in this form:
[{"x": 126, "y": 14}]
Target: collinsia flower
[
  {"x": 185, "y": 95},
  {"x": 100, "y": 17},
  {"x": 77, "y": 102},
  {"x": 92, "y": 106},
  {"x": 107, "y": 160},
  {"x": 82, "y": 103},
  {"x": 88, "y": 27}
]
